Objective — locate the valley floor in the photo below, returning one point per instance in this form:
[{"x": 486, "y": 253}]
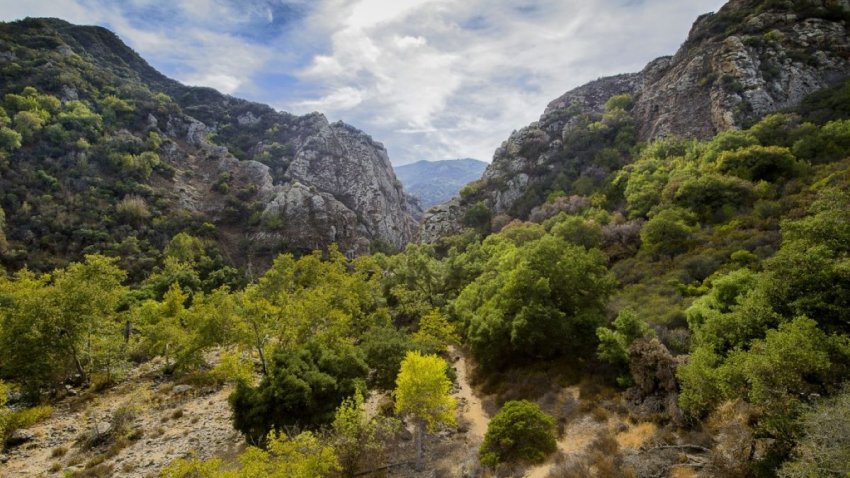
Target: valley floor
[{"x": 170, "y": 421}]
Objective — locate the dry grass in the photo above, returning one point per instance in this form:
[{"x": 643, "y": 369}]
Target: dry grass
[
  {"x": 58, "y": 451},
  {"x": 683, "y": 472},
  {"x": 599, "y": 414},
  {"x": 97, "y": 471},
  {"x": 636, "y": 436}
]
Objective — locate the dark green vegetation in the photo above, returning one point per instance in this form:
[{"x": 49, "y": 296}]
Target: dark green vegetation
[{"x": 520, "y": 432}]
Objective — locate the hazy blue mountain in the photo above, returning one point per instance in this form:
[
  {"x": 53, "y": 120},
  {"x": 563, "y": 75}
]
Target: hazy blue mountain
[{"x": 434, "y": 182}]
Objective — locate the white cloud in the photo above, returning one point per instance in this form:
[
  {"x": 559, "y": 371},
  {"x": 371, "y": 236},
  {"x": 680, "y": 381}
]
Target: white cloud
[
  {"x": 440, "y": 79},
  {"x": 431, "y": 79},
  {"x": 342, "y": 99}
]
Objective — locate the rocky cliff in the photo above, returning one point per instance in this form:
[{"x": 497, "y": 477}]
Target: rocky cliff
[
  {"x": 268, "y": 181},
  {"x": 750, "y": 58}
]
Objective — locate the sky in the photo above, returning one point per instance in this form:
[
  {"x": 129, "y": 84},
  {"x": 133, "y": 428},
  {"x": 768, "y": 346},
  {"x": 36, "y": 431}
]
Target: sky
[{"x": 430, "y": 79}]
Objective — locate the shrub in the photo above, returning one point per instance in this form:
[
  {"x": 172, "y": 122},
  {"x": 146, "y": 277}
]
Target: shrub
[
  {"x": 478, "y": 217},
  {"x": 520, "y": 432},
  {"x": 668, "y": 232},
  {"x": 825, "y": 442},
  {"x": 756, "y": 163},
  {"x": 133, "y": 209}
]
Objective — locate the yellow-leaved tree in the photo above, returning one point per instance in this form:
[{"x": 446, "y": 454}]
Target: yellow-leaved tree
[{"x": 422, "y": 392}]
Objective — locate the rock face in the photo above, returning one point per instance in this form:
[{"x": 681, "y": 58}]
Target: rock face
[
  {"x": 269, "y": 181},
  {"x": 346, "y": 163},
  {"x": 750, "y": 58}
]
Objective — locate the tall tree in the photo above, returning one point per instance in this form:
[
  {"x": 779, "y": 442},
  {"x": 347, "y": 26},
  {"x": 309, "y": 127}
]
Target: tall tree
[{"x": 422, "y": 391}]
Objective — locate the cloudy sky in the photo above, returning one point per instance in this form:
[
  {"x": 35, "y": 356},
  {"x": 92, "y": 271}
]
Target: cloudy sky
[{"x": 431, "y": 79}]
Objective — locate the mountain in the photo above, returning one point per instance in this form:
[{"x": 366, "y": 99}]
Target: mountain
[
  {"x": 750, "y": 58},
  {"x": 435, "y": 182},
  {"x": 121, "y": 158}
]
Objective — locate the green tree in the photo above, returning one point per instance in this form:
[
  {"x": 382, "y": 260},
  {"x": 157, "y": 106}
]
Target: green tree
[
  {"x": 757, "y": 163},
  {"x": 435, "y": 333},
  {"x": 357, "y": 438},
  {"x": 713, "y": 197},
  {"x": 10, "y": 140},
  {"x": 584, "y": 232},
  {"x": 829, "y": 143},
  {"x": 422, "y": 392},
  {"x": 519, "y": 433},
  {"x": 792, "y": 361},
  {"x": 28, "y": 124},
  {"x": 304, "y": 387},
  {"x": 51, "y": 321},
  {"x": 385, "y": 348},
  {"x": 478, "y": 217},
  {"x": 87, "y": 296},
  {"x": 538, "y": 300}
]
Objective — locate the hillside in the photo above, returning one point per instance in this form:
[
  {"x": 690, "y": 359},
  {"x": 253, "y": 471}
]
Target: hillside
[
  {"x": 435, "y": 182},
  {"x": 749, "y": 59},
  {"x": 115, "y": 158}
]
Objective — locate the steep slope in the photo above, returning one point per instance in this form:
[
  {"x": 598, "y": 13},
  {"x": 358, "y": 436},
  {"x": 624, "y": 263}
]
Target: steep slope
[
  {"x": 262, "y": 181},
  {"x": 435, "y": 182},
  {"x": 750, "y": 58}
]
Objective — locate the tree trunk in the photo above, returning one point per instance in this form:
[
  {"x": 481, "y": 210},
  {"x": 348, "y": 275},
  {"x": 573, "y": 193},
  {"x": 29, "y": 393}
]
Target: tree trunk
[
  {"x": 420, "y": 436},
  {"x": 259, "y": 346},
  {"x": 79, "y": 365}
]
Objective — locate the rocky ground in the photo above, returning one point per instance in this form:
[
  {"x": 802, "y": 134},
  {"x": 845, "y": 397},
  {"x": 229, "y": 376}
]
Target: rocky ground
[{"x": 163, "y": 422}]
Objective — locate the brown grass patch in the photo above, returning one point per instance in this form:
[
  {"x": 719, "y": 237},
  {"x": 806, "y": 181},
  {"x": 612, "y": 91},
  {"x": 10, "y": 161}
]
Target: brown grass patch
[
  {"x": 683, "y": 472},
  {"x": 636, "y": 436}
]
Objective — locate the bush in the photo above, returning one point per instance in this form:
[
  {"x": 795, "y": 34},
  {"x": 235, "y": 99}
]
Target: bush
[
  {"x": 825, "y": 444},
  {"x": 668, "y": 232},
  {"x": 520, "y": 432},
  {"x": 133, "y": 209},
  {"x": 757, "y": 163},
  {"x": 478, "y": 217}
]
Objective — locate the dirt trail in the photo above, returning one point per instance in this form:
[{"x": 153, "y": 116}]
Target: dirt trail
[
  {"x": 172, "y": 421},
  {"x": 577, "y": 436},
  {"x": 471, "y": 410}
]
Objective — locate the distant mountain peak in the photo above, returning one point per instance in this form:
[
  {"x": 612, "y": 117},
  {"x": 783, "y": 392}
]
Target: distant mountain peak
[{"x": 435, "y": 182}]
